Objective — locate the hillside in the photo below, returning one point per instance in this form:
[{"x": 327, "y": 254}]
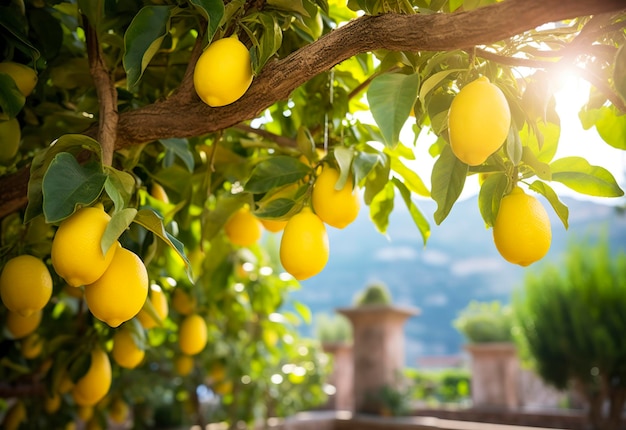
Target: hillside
[{"x": 458, "y": 264}]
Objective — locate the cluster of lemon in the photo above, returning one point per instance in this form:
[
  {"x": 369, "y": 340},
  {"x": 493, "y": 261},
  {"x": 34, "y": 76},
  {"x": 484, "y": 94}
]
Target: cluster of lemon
[
  {"x": 304, "y": 247},
  {"x": 25, "y": 79},
  {"x": 479, "y": 120}
]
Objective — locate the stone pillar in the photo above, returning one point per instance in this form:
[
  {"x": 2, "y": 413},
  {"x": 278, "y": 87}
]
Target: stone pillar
[
  {"x": 495, "y": 372},
  {"x": 378, "y": 350},
  {"x": 342, "y": 377}
]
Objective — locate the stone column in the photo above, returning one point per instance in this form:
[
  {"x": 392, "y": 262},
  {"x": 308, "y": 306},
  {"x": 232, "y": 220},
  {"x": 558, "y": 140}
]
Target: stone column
[
  {"x": 342, "y": 377},
  {"x": 495, "y": 372},
  {"x": 378, "y": 350}
]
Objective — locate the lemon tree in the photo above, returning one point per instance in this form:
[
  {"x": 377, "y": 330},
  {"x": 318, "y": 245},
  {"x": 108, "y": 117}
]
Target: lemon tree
[{"x": 131, "y": 135}]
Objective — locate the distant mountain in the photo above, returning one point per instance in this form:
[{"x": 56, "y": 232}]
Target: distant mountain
[{"x": 458, "y": 264}]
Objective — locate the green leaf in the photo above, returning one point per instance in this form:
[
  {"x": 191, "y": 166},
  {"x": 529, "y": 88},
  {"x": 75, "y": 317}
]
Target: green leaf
[
  {"x": 303, "y": 310},
  {"x": 559, "y": 207},
  {"x": 433, "y": 82},
  {"x": 619, "y": 72},
  {"x": 119, "y": 186},
  {"x": 344, "y": 157},
  {"x": 377, "y": 179},
  {"x": 117, "y": 225},
  {"x": 213, "y": 12},
  {"x": 143, "y": 39},
  {"x": 14, "y": 33},
  {"x": 514, "y": 146},
  {"x": 180, "y": 148},
  {"x": 67, "y": 185},
  {"x": 11, "y": 98},
  {"x": 489, "y": 196},
  {"x": 290, "y": 6},
  {"x": 611, "y": 126},
  {"x": 364, "y": 163},
  {"x": 151, "y": 221},
  {"x": 270, "y": 40},
  {"x": 542, "y": 170},
  {"x": 447, "y": 179},
  {"x": 577, "y": 174},
  {"x": 411, "y": 179},
  {"x": 542, "y": 138},
  {"x": 382, "y": 206},
  {"x": 418, "y": 218},
  {"x": 274, "y": 172},
  {"x": 391, "y": 97},
  {"x": 276, "y": 208}
]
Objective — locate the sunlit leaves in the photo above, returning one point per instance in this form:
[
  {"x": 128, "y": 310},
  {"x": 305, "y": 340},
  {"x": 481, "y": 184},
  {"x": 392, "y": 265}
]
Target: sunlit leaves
[
  {"x": 274, "y": 172},
  {"x": 391, "y": 97},
  {"x": 381, "y": 207},
  {"x": 117, "y": 225},
  {"x": 559, "y": 207},
  {"x": 67, "y": 185},
  {"x": 619, "y": 72},
  {"x": 178, "y": 148},
  {"x": 490, "y": 195},
  {"x": 212, "y": 11},
  {"x": 267, "y": 36},
  {"x": 143, "y": 39},
  {"x": 542, "y": 138},
  {"x": 418, "y": 218},
  {"x": 609, "y": 122},
  {"x": 448, "y": 179},
  {"x": 577, "y": 174}
]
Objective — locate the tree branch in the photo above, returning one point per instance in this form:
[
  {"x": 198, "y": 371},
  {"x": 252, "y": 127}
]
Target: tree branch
[{"x": 180, "y": 116}]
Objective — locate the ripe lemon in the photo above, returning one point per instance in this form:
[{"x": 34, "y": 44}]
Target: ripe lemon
[
  {"x": 94, "y": 384},
  {"x": 158, "y": 192},
  {"x": 337, "y": 208},
  {"x": 243, "y": 228},
  {"x": 25, "y": 284},
  {"x": 192, "y": 334},
  {"x": 119, "y": 411},
  {"x": 182, "y": 302},
  {"x": 217, "y": 372},
  {"x": 183, "y": 365},
  {"x": 25, "y": 78},
  {"x": 273, "y": 225},
  {"x": 10, "y": 136},
  {"x": 120, "y": 293},
  {"x": 478, "y": 121},
  {"x": 32, "y": 346},
  {"x": 85, "y": 412},
  {"x": 223, "y": 72},
  {"x": 522, "y": 232},
  {"x": 19, "y": 326},
  {"x": 14, "y": 417},
  {"x": 159, "y": 303},
  {"x": 223, "y": 388},
  {"x": 304, "y": 245},
  {"x": 76, "y": 253},
  {"x": 52, "y": 403},
  {"x": 126, "y": 352}
]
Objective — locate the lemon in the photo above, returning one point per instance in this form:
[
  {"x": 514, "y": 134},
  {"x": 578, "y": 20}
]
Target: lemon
[
  {"x": 217, "y": 372},
  {"x": 522, "y": 232},
  {"x": 19, "y": 326},
  {"x": 85, "y": 412},
  {"x": 52, "y": 403},
  {"x": 119, "y": 411},
  {"x": 65, "y": 384},
  {"x": 126, "y": 351},
  {"x": 158, "y": 192},
  {"x": 159, "y": 303},
  {"x": 32, "y": 346},
  {"x": 95, "y": 384},
  {"x": 182, "y": 302},
  {"x": 183, "y": 364},
  {"x": 223, "y": 388},
  {"x": 25, "y": 78},
  {"x": 337, "y": 208},
  {"x": 478, "y": 121},
  {"x": 94, "y": 424},
  {"x": 304, "y": 247},
  {"x": 243, "y": 228},
  {"x": 119, "y": 294},
  {"x": 273, "y": 225},
  {"x": 10, "y": 136},
  {"x": 192, "y": 334},
  {"x": 76, "y": 253},
  {"x": 223, "y": 72},
  {"x": 25, "y": 284},
  {"x": 15, "y": 416}
]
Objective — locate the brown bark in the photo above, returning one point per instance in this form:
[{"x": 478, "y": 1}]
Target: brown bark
[{"x": 184, "y": 115}]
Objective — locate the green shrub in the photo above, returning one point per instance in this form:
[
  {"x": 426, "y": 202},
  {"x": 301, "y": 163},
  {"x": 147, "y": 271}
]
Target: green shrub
[
  {"x": 440, "y": 386},
  {"x": 375, "y": 294},
  {"x": 332, "y": 328},
  {"x": 483, "y": 322}
]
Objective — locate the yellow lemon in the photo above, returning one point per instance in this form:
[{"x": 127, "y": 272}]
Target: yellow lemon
[
  {"x": 32, "y": 346},
  {"x": 119, "y": 411},
  {"x": 223, "y": 388},
  {"x": 223, "y": 72},
  {"x": 25, "y": 284},
  {"x": 95, "y": 384},
  {"x": 478, "y": 121},
  {"x": 119, "y": 294},
  {"x": 522, "y": 231},
  {"x": 126, "y": 351},
  {"x": 25, "y": 78},
  {"x": 19, "y": 326},
  {"x": 76, "y": 253},
  {"x": 15, "y": 416},
  {"x": 192, "y": 334},
  {"x": 52, "y": 403},
  {"x": 158, "y": 192},
  {"x": 183, "y": 365},
  {"x": 182, "y": 302},
  {"x": 243, "y": 228},
  {"x": 10, "y": 136},
  {"x": 159, "y": 303},
  {"x": 304, "y": 246},
  {"x": 85, "y": 412},
  {"x": 273, "y": 225},
  {"x": 337, "y": 208},
  {"x": 217, "y": 372}
]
